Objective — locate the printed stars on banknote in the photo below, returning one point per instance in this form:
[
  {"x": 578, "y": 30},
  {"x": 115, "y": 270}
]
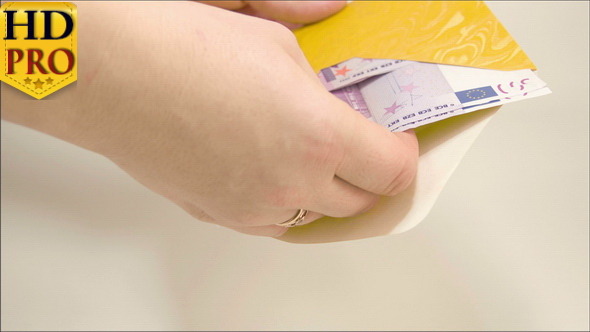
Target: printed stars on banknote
[{"x": 402, "y": 95}]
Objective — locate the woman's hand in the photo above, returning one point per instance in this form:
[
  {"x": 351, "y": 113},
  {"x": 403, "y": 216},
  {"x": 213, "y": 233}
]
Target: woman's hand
[
  {"x": 292, "y": 14},
  {"x": 220, "y": 113}
]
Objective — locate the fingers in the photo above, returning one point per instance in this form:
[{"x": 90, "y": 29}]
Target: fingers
[
  {"x": 268, "y": 231},
  {"x": 375, "y": 159},
  {"x": 262, "y": 225},
  {"x": 288, "y": 11},
  {"x": 228, "y": 4},
  {"x": 336, "y": 199},
  {"x": 341, "y": 199},
  {"x": 274, "y": 230},
  {"x": 296, "y": 11}
]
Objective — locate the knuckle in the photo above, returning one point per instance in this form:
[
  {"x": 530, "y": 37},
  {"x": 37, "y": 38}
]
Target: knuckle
[
  {"x": 354, "y": 207},
  {"x": 321, "y": 153},
  {"x": 362, "y": 206},
  {"x": 283, "y": 197},
  {"x": 197, "y": 213},
  {"x": 245, "y": 219},
  {"x": 323, "y": 147},
  {"x": 369, "y": 204},
  {"x": 403, "y": 176},
  {"x": 277, "y": 205},
  {"x": 282, "y": 34}
]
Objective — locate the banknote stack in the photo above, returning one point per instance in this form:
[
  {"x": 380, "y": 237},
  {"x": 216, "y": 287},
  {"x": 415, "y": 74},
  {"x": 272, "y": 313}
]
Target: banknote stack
[{"x": 401, "y": 95}]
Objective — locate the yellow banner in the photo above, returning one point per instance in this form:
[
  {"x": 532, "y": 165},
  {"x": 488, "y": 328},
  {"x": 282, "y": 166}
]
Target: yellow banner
[{"x": 39, "y": 46}]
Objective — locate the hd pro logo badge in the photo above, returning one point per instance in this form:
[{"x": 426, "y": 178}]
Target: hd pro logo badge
[{"x": 39, "y": 51}]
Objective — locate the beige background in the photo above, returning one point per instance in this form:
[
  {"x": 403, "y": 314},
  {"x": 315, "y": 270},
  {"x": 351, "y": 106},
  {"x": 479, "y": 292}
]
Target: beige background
[{"x": 505, "y": 247}]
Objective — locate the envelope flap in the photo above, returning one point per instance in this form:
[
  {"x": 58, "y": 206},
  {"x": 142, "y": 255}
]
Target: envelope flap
[{"x": 464, "y": 33}]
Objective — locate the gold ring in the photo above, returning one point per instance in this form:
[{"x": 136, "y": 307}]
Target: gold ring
[{"x": 296, "y": 220}]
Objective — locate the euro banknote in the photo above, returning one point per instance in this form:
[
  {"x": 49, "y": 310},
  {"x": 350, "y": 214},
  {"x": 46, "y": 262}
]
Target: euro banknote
[
  {"x": 401, "y": 95},
  {"x": 356, "y": 70}
]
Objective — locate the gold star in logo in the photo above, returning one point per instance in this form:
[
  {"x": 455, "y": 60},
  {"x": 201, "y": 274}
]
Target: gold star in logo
[
  {"x": 28, "y": 80},
  {"x": 38, "y": 84},
  {"x": 49, "y": 80}
]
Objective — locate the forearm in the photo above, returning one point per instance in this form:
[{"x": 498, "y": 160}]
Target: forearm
[
  {"x": 63, "y": 114},
  {"x": 92, "y": 111}
]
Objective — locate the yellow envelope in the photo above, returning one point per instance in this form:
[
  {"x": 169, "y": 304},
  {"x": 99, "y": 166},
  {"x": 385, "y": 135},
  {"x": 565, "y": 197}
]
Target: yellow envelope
[{"x": 464, "y": 33}]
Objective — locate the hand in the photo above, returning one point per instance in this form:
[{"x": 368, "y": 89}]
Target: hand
[
  {"x": 220, "y": 113},
  {"x": 292, "y": 14}
]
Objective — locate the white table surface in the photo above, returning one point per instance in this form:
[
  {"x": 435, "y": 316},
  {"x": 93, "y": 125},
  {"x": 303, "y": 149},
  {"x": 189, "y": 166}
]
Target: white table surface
[{"x": 504, "y": 248}]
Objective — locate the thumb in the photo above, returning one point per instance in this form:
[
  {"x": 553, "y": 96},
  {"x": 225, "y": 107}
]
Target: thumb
[
  {"x": 375, "y": 159},
  {"x": 296, "y": 11}
]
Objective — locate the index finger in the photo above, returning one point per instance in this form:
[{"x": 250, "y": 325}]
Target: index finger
[{"x": 375, "y": 159}]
